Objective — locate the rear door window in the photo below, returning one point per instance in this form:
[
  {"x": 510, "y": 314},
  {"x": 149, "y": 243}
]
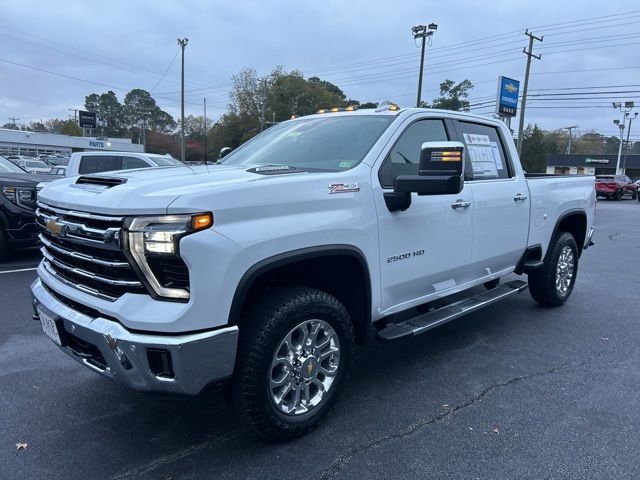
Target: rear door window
[
  {"x": 99, "y": 163},
  {"x": 485, "y": 154}
]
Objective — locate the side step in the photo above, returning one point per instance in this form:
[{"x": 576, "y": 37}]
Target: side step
[{"x": 427, "y": 321}]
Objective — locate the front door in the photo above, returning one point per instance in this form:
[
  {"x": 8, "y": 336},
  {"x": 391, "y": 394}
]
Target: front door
[{"x": 425, "y": 250}]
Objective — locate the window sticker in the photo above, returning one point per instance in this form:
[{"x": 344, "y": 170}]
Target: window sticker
[
  {"x": 496, "y": 156},
  {"x": 481, "y": 154}
]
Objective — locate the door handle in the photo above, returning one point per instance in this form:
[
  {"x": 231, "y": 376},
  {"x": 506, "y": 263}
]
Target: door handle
[
  {"x": 460, "y": 204},
  {"x": 520, "y": 197}
]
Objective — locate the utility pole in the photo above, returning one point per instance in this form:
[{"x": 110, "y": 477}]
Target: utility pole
[
  {"x": 423, "y": 32},
  {"x": 183, "y": 43},
  {"x": 14, "y": 120},
  {"x": 570, "y": 137},
  {"x": 263, "y": 102},
  {"x": 523, "y": 107},
  {"x": 626, "y": 150},
  {"x": 205, "y": 130},
  {"x": 625, "y": 108}
]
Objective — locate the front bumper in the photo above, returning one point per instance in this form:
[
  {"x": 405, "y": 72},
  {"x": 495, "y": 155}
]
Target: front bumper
[{"x": 111, "y": 350}]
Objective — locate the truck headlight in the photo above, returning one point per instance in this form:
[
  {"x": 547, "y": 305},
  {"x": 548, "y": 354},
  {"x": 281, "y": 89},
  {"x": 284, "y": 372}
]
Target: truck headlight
[
  {"x": 156, "y": 239},
  {"x": 24, "y": 197}
]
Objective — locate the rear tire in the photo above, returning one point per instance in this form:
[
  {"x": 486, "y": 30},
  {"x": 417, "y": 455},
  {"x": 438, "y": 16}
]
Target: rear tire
[
  {"x": 279, "y": 387},
  {"x": 634, "y": 195},
  {"x": 552, "y": 284},
  {"x": 619, "y": 194}
]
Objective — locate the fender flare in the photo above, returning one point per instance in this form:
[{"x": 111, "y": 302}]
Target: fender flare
[
  {"x": 286, "y": 258},
  {"x": 561, "y": 218}
]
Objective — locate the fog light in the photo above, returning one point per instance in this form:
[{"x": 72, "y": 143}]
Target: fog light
[{"x": 160, "y": 363}]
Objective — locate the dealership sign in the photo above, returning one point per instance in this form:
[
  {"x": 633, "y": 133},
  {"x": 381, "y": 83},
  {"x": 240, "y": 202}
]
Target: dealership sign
[
  {"x": 87, "y": 119},
  {"x": 507, "y": 99},
  {"x": 597, "y": 160}
]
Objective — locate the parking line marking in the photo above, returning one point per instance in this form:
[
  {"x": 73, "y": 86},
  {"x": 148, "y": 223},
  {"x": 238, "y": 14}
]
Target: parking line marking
[{"x": 19, "y": 270}]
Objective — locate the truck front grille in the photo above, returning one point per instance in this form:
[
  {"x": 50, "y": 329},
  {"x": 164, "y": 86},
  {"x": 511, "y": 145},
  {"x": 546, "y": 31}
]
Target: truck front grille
[{"x": 83, "y": 250}]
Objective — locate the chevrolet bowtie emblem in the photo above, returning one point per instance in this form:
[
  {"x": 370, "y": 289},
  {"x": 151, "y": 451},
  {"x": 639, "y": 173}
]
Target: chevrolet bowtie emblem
[
  {"x": 53, "y": 226},
  {"x": 511, "y": 88}
]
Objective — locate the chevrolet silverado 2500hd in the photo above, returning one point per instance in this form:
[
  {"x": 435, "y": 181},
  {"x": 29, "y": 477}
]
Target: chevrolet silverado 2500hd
[{"x": 266, "y": 269}]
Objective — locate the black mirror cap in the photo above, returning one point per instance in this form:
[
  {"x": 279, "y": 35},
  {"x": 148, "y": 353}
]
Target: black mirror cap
[
  {"x": 224, "y": 151},
  {"x": 441, "y": 158},
  {"x": 429, "y": 184}
]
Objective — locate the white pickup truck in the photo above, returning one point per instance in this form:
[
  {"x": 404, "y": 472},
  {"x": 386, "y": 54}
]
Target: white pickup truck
[{"x": 262, "y": 272}]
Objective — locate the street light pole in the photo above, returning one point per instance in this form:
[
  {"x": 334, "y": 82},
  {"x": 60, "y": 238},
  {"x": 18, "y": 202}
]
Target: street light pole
[
  {"x": 205, "y": 131},
  {"x": 570, "y": 137},
  {"x": 626, "y": 150},
  {"x": 625, "y": 108},
  {"x": 183, "y": 43},
  {"x": 422, "y": 32}
]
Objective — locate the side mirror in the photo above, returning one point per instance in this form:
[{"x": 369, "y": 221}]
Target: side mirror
[
  {"x": 440, "y": 173},
  {"x": 224, "y": 151}
]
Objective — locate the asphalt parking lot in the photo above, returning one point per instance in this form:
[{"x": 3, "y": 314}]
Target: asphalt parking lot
[{"x": 513, "y": 391}]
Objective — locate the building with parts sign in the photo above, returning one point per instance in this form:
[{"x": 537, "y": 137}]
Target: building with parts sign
[{"x": 20, "y": 142}]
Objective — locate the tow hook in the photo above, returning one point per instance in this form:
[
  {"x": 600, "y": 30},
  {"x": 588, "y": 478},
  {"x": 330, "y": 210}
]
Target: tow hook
[{"x": 115, "y": 348}]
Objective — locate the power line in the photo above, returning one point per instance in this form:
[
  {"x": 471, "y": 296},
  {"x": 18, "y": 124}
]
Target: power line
[{"x": 166, "y": 71}]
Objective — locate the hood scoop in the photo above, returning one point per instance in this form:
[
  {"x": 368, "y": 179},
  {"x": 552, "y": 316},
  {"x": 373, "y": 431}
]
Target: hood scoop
[{"x": 98, "y": 184}]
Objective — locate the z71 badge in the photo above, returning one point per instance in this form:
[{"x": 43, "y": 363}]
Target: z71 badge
[{"x": 344, "y": 187}]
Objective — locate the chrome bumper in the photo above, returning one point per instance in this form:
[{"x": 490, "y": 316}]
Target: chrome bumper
[{"x": 195, "y": 359}]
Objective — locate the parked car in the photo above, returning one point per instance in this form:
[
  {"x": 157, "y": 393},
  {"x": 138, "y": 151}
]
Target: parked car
[
  {"x": 17, "y": 206},
  {"x": 59, "y": 170},
  {"x": 82, "y": 163},
  {"x": 30, "y": 164},
  {"x": 615, "y": 187},
  {"x": 264, "y": 271}
]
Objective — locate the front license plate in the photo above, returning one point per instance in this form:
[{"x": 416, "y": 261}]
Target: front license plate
[{"x": 49, "y": 327}]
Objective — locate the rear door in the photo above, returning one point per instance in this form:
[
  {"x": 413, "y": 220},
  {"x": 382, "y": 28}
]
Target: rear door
[{"x": 501, "y": 213}]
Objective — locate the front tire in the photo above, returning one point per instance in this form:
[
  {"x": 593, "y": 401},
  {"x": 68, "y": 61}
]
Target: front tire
[
  {"x": 552, "y": 284},
  {"x": 619, "y": 194},
  {"x": 295, "y": 350}
]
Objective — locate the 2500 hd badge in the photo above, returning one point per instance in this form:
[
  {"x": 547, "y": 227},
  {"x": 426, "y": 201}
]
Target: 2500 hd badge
[{"x": 404, "y": 256}]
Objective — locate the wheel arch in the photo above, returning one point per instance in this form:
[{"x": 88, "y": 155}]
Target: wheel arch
[
  {"x": 341, "y": 270},
  {"x": 574, "y": 222}
]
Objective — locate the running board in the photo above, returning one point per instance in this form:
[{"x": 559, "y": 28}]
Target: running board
[{"x": 427, "y": 321}]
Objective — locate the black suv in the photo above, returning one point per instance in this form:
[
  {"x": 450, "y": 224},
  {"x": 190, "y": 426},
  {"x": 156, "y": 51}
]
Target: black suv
[{"x": 18, "y": 194}]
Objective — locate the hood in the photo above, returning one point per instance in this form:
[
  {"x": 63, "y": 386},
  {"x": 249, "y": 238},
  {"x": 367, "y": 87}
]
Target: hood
[
  {"x": 25, "y": 179},
  {"x": 148, "y": 190}
]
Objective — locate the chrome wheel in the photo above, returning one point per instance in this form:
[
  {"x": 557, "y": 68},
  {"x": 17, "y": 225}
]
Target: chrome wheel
[
  {"x": 304, "y": 366},
  {"x": 565, "y": 270}
]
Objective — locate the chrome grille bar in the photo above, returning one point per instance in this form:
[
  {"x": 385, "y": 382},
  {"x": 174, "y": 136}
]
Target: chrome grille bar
[
  {"x": 75, "y": 213},
  {"x": 82, "y": 288},
  {"x": 80, "y": 256},
  {"x": 87, "y": 274}
]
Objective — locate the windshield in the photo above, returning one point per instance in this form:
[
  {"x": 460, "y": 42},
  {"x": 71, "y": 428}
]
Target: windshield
[
  {"x": 36, "y": 164},
  {"x": 162, "y": 161},
  {"x": 8, "y": 167},
  {"x": 332, "y": 143}
]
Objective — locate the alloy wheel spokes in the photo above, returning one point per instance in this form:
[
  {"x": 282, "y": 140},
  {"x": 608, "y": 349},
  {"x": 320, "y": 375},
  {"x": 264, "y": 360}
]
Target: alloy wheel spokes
[{"x": 304, "y": 366}]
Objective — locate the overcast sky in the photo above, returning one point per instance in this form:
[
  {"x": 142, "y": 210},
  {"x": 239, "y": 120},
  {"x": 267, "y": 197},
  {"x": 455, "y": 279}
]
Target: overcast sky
[{"x": 365, "y": 47}]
